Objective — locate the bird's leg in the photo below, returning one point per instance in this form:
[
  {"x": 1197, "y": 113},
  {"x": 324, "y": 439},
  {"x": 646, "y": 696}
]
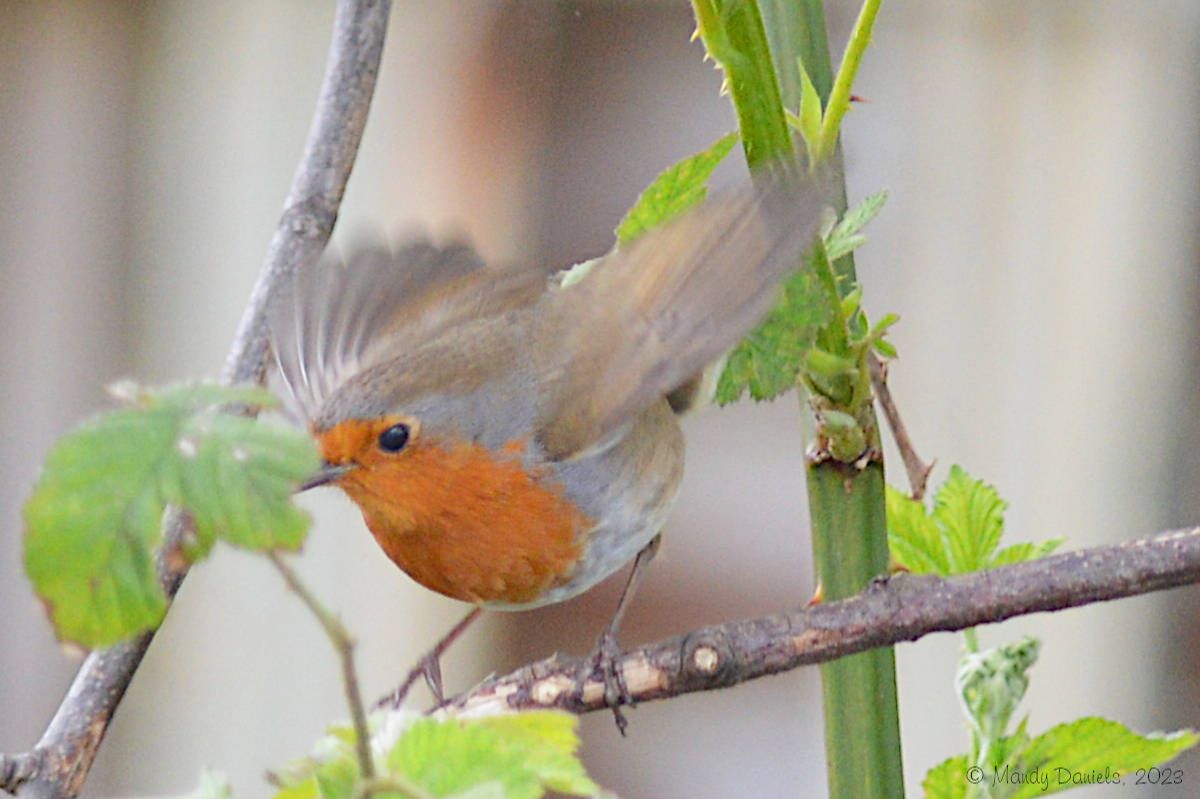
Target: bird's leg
[
  {"x": 607, "y": 655},
  {"x": 430, "y": 665}
]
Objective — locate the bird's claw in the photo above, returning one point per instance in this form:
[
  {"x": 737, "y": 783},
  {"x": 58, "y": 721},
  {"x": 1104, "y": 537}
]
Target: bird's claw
[
  {"x": 606, "y": 659},
  {"x": 429, "y": 667},
  {"x": 431, "y": 670}
]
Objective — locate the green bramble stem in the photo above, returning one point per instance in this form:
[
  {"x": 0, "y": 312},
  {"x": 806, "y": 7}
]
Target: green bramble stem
[
  {"x": 838, "y": 100},
  {"x": 844, "y": 465},
  {"x": 797, "y": 29},
  {"x": 846, "y": 502},
  {"x": 734, "y": 35},
  {"x": 862, "y": 731}
]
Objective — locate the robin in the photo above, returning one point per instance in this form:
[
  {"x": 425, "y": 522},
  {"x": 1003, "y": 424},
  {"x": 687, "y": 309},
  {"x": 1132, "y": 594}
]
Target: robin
[{"x": 512, "y": 441}]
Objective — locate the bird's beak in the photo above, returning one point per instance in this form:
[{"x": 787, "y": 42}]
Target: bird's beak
[{"x": 329, "y": 472}]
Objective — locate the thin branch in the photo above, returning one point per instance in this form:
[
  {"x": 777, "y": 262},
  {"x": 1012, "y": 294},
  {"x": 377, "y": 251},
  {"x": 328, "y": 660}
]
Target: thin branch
[
  {"x": 312, "y": 203},
  {"x": 67, "y": 749},
  {"x": 918, "y": 470},
  {"x": 343, "y": 642},
  {"x": 902, "y": 608}
]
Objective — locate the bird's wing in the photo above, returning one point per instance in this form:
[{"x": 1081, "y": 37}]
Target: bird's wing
[
  {"x": 653, "y": 314},
  {"x": 342, "y": 317}
]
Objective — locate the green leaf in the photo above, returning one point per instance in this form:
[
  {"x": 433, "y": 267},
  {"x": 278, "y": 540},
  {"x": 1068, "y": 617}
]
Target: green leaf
[
  {"x": 91, "y": 527},
  {"x": 550, "y": 741},
  {"x": 846, "y": 245},
  {"x": 1092, "y": 750},
  {"x": 1019, "y": 553},
  {"x": 239, "y": 482},
  {"x": 196, "y": 397},
  {"x": 884, "y": 348},
  {"x": 674, "y": 191},
  {"x": 881, "y": 327},
  {"x": 767, "y": 362},
  {"x": 826, "y": 364},
  {"x": 300, "y": 789},
  {"x": 971, "y": 513},
  {"x": 915, "y": 540},
  {"x": 448, "y": 757},
  {"x": 846, "y": 235},
  {"x": 332, "y": 769},
  {"x": 336, "y": 778},
  {"x": 517, "y": 757},
  {"x": 851, "y": 302},
  {"x": 808, "y": 122},
  {"x": 484, "y": 790},
  {"x": 963, "y": 532},
  {"x": 94, "y": 519},
  {"x": 990, "y": 686},
  {"x": 947, "y": 780}
]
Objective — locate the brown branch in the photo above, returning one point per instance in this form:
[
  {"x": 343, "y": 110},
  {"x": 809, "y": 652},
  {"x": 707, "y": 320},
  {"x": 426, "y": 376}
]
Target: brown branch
[
  {"x": 902, "y": 608},
  {"x": 59, "y": 763},
  {"x": 312, "y": 203},
  {"x": 918, "y": 470}
]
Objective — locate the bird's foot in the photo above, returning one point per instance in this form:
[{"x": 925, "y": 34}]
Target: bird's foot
[
  {"x": 606, "y": 659},
  {"x": 429, "y": 667}
]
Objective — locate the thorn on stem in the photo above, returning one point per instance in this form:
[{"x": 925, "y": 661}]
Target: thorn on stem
[{"x": 818, "y": 596}]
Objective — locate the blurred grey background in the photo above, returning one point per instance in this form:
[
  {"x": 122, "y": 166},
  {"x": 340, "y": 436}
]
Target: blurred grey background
[{"x": 1040, "y": 244}]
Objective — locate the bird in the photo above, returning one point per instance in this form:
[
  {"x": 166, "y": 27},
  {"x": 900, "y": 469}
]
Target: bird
[{"x": 511, "y": 438}]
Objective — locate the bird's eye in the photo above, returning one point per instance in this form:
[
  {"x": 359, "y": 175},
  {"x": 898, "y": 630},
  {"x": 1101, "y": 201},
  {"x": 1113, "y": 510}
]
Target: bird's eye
[{"x": 394, "y": 438}]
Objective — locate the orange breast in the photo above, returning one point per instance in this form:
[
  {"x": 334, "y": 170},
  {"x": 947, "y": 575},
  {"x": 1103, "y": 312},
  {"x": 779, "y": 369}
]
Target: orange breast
[{"x": 461, "y": 520}]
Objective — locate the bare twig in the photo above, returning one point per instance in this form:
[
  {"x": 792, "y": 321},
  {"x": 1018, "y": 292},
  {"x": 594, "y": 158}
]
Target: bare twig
[
  {"x": 902, "y": 608},
  {"x": 65, "y": 753},
  {"x": 343, "y": 642},
  {"x": 918, "y": 470},
  {"x": 312, "y": 203}
]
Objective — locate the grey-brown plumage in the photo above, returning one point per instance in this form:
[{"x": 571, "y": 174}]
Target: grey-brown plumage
[{"x": 579, "y": 375}]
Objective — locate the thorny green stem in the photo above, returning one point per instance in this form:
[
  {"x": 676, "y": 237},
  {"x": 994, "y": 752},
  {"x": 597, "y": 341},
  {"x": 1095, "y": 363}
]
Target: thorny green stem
[
  {"x": 846, "y": 500},
  {"x": 839, "y": 97},
  {"x": 734, "y": 35}
]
